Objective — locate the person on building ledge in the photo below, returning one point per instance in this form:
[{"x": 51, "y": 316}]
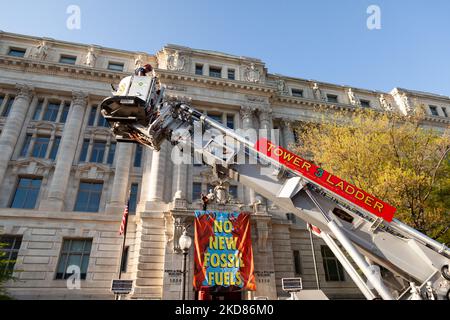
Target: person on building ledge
[{"x": 142, "y": 71}]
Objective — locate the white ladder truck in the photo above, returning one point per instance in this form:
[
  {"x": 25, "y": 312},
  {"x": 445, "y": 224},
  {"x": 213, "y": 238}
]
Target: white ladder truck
[{"x": 358, "y": 228}]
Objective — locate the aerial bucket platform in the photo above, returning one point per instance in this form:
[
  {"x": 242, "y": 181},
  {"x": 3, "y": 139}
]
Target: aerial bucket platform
[
  {"x": 131, "y": 108},
  {"x": 384, "y": 257}
]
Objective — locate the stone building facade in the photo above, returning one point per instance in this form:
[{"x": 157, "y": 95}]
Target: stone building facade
[{"x": 64, "y": 180}]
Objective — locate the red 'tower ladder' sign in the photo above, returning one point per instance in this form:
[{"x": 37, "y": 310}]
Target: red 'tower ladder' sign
[{"x": 325, "y": 179}]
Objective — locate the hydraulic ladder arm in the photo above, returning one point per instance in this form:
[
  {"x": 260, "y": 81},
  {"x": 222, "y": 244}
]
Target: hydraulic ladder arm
[{"x": 350, "y": 230}]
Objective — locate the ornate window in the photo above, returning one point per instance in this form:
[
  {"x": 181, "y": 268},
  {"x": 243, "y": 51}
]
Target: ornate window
[
  {"x": 27, "y": 193},
  {"x": 17, "y": 52},
  {"x": 64, "y": 113},
  {"x": 101, "y": 150},
  {"x": 231, "y": 74},
  {"x": 233, "y": 192},
  {"x": 51, "y": 112},
  {"x": 116, "y": 66},
  {"x": 75, "y": 252},
  {"x": 111, "y": 153},
  {"x": 89, "y": 195},
  {"x": 365, "y": 103},
  {"x": 434, "y": 111},
  {"x": 138, "y": 156},
  {"x": 297, "y": 262},
  {"x": 216, "y": 117},
  {"x": 26, "y": 145},
  {"x": 10, "y": 252},
  {"x": 333, "y": 268},
  {"x": 215, "y": 72},
  {"x": 84, "y": 150},
  {"x": 98, "y": 151},
  {"x": 199, "y": 69},
  {"x": 40, "y": 147},
  {"x": 96, "y": 119},
  {"x": 230, "y": 121},
  {"x": 66, "y": 59},
  {"x": 196, "y": 191},
  {"x": 297, "y": 93},
  {"x": 133, "y": 198},
  {"x": 38, "y": 110},
  {"x": 55, "y": 148},
  {"x": 8, "y": 105},
  {"x": 102, "y": 122},
  {"x": 92, "y": 116},
  {"x": 332, "y": 98},
  {"x": 41, "y": 141}
]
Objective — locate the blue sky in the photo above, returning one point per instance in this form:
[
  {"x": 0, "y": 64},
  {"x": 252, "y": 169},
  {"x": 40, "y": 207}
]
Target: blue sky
[{"x": 322, "y": 40}]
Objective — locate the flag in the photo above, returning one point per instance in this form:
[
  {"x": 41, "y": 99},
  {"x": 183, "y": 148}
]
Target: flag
[
  {"x": 314, "y": 229},
  {"x": 123, "y": 225}
]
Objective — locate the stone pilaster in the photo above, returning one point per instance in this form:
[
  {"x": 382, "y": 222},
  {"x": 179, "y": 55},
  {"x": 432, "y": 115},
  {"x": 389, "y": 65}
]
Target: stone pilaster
[
  {"x": 13, "y": 126},
  {"x": 66, "y": 154},
  {"x": 263, "y": 258},
  {"x": 150, "y": 249},
  {"x": 120, "y": 191},
  {"x": 282, "y": 254},
  {"x": 248, "y": 116}
]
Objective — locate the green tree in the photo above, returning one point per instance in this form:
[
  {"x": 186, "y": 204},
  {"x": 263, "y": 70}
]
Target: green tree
[
  {"x": 5, "y": 273},
  {"x": 394, "y": 157}
]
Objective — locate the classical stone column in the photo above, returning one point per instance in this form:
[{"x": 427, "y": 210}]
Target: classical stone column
[
  {"x": 120, "y": 191},
  {"x": 265, "y": 126},
  {"x": 265, "y": 122},
  {"x": 66, "y": 154},
  {"x": 248, "y": 114},
  {"x": 288, "y": 133},
  {"x": 157, "y": 176},
  {"x": 13, "y": 126}
]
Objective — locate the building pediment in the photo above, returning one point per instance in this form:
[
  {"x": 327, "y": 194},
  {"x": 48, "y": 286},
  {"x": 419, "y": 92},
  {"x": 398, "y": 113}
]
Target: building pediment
[
  {"x": 37, "y": 167},
  {"x": 93, "y": 171}
]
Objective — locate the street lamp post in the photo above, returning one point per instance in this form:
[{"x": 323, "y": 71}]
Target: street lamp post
[{"x": 185, "y": 244}]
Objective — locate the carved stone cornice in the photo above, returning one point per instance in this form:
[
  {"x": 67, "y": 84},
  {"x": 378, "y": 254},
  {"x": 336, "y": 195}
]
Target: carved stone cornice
[
  {"x": 233, "y": 84},
  {"x": 34, "y": 66}
]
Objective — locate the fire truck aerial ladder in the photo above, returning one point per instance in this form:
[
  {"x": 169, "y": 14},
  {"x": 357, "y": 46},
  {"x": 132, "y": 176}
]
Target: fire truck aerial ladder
[{"x": 384, "y": 257}]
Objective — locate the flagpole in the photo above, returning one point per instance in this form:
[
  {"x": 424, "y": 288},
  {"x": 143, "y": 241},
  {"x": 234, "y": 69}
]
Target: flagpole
[{"x": 122, "y": 255}]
